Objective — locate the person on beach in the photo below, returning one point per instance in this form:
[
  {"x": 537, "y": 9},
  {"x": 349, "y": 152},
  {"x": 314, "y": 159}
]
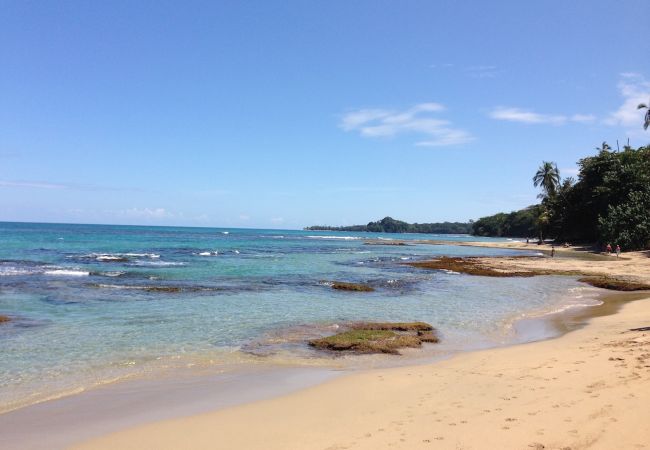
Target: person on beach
[
  {"x": 552, "y": 250},
  {"x": 526, "y": 241},
  {"x": 608, "y": 249},
  {"x": 618, "y": 250}
]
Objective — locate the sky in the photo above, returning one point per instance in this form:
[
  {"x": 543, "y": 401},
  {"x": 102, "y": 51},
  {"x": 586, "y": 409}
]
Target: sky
[{"x": 284, "y": 114}]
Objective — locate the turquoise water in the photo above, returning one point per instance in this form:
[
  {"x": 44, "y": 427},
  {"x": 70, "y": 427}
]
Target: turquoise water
[{"x": 91, "y": 304}]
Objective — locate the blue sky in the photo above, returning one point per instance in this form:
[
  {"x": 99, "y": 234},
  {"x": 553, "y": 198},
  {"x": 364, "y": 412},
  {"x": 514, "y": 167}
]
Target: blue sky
[{"x": 284, "y": 114}]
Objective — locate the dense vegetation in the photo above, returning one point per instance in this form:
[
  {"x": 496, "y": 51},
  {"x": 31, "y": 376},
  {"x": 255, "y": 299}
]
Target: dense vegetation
[
  {"x": 609, "y": 203},
  {"x": 390, "y": 225}
]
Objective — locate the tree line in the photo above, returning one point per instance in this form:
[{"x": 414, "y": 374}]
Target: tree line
[
  {"x": 390, "y": 225},
  {"x": 608, "y": 203}
]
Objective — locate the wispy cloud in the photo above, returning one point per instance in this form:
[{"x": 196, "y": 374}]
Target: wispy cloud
[
  {"x": 144, "y": 213},
  {"x": 32, "y": 185},
  {"x": 634, "y": 89},
  {"x": 417, "y": 120},
  {"x": 521, "y": 115},
  {"x": 483, "y": 71},
  {"x": 26, "y": 184}
]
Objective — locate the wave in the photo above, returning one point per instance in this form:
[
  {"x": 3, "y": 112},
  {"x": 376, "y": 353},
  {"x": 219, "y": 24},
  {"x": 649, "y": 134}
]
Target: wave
[
  {"x": 115, "y": 257},
  {"x": 209, "y": 253},
  {"x": 13, "y": 270},
  {"x": 67, "y": 272},
  {"x": 157, "y": 263},
  {"x": 342, "y": 238}
]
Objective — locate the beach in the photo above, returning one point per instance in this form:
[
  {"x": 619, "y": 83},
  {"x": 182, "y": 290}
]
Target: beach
[
  {"x": 587, "y": 389},
  {"x": 502, "y": 387}
]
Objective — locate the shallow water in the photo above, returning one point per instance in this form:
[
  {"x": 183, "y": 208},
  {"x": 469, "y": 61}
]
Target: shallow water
[{"x": 92, "y": 304}]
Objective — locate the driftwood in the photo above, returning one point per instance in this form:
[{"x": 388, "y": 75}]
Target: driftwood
[{"x": 640, "y": 329}]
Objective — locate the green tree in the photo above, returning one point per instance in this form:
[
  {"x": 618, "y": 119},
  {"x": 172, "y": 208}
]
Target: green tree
[
  {"x": 628, "y": 224},
  {"x": 548, "y": 178},
  {"x": 646, "y": 121}
]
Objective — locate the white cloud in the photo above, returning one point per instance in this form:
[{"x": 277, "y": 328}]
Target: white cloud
[
  {"x": 634, "y": 89},
  {"x": 483, "y": 71},
  {"x": 145, "y": 213},
  {"x": 512, "y": 114},
  {"x": 417, "y": 120},
  {"x": 32, "y": 185},
  {"x": 61, "y": 186},
  {"x": 277, "y": 220}
]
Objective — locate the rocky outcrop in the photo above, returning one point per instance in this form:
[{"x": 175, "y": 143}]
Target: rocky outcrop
[{"x": 378, "y": 337}]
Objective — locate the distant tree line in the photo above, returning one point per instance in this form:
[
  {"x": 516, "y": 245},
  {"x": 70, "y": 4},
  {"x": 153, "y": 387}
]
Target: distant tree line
[
  {"x": 390, "y": 225},
  {"x": 609, "y": 203}
]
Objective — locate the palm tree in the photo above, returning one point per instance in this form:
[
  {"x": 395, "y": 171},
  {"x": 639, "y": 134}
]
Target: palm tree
[
  {"x": 604, "y": 147},
  {"x": 646, "y": 122},
  {"x": 548, "y": 177}
]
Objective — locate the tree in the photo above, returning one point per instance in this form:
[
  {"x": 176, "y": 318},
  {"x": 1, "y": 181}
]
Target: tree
[
  {"x": 646, "y": 122},
  {"x": 628, "y": 224},
  {"x": 548, "y": 177},
  {"x": 604, "y": 147}
]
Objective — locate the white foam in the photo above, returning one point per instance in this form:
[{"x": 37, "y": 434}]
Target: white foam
[
  {"x": 108, "y": 258},
  {"x": 158, "y": 263},
  {"x": 343, "y": 238},
  {"x": 13, "y": 271},
  {"x": 225, "y": 232},
  {"x": 213, "y": 253},
  {"x": 67, "y": 273}
]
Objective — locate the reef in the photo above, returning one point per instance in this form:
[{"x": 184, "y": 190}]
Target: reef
[
  {"x": 378, "y": 337},
  {"x": 615, "y": 284},
  {"x": 471, "y": 266},
  {"x": 344, "y": 286}
]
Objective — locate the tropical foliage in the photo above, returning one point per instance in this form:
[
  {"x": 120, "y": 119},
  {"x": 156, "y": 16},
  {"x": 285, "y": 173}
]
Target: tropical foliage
[{"x": 609, "y": 202}]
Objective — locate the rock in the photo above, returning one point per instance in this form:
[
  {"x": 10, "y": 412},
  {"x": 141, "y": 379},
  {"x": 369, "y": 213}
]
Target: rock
[
  {"x": 343, "y": 286},
  {"x": 4, "y": 319},
  {"x": 392, "y": 326},
  {"x": 615, "y": 284},
  {"x": 379, "y": 337}
]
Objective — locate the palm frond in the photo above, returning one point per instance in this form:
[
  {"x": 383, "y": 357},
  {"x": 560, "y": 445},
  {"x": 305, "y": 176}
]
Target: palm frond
[{"x": 641, "y": 106}]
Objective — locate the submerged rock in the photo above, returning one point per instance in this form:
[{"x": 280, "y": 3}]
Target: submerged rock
[
  {"x": 343, "y": 286},
  {"x": 4, "y": 319},
  {"x": 378, "y": 337}
]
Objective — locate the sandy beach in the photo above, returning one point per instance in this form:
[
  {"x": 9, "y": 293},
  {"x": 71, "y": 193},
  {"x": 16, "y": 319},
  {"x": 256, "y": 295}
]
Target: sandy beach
[{"x": 589, "y": 388}]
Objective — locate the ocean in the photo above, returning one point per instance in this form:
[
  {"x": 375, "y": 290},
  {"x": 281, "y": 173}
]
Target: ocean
[{"x": 95, "y": 304}]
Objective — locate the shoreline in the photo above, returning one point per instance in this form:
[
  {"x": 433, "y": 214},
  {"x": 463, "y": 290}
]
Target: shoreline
[
  {"x": 182, "y": 393},
  {"x": 541, "y": 393}
]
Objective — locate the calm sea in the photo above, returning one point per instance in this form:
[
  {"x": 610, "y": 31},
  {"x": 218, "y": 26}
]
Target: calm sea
[{"x": 91, "y": 304}]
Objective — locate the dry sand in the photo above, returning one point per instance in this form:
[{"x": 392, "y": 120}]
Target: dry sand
[{"x": 587, "y": 389}]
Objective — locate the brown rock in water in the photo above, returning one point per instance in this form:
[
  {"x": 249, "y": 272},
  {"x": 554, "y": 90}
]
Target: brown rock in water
[
  {"x": 470, "y": 266},
  {"x": 343, "y": 286},
  {"x": 380, "y": 337},
  {"x": 392, "y": 326},
  {"x": 4, "y": 319},
  {"x": 614, "y": 284}
]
